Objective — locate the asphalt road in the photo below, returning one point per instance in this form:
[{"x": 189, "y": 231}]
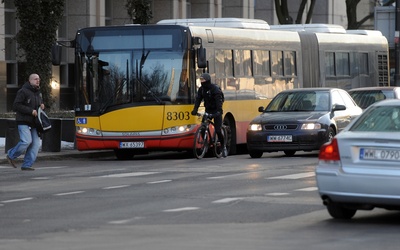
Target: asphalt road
[{"x": 170, "y": 201}]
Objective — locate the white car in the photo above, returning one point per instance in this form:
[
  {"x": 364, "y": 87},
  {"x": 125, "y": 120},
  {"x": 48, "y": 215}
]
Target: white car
[{"x": 360, "y": 168}]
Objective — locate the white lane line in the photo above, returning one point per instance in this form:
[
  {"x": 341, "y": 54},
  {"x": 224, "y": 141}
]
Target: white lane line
[
  {"x": 227, "y": 200},
  {"x": 115, "y": 187},
  {"x": 277, "y": 194},
  {"x": 6, "y": 167},
  {"x": 120, "y": 222},
  {"x": 17, "y": 200},
  {"x": 127, "y": 174},
  {"x": 181, "y": 209},
  {"x": 41, "y": 178},
  {"x": 157, "y": 182},
  {"x": 227, "y": 176},
  {"x": 294, "y": 176},
  {"x": 307, "y": 189},
  {"x": 70, "y": 193},
  {"x": 56, "y": 167}
]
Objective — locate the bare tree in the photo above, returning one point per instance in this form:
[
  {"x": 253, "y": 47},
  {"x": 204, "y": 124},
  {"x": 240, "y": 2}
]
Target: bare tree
[
  {"x": 282, "y": 11},
  {"x": 351, "y": 11}
]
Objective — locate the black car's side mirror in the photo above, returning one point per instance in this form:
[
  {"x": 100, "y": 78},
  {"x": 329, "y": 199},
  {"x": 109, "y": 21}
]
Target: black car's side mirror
[
  {"x": 336, "y": 107},
  {"x": 261, "y": 109}
]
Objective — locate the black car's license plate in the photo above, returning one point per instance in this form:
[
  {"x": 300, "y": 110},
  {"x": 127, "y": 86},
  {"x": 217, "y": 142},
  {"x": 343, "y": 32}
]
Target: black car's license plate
[{"x": 279, "y": 138}]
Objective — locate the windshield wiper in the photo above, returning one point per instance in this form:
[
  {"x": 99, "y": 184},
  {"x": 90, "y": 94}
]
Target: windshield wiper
[{"x": 156, "y": 98}]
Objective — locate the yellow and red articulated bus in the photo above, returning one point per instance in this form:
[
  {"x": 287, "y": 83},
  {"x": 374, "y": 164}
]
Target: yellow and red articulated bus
[{"x": 136, "y": 84}]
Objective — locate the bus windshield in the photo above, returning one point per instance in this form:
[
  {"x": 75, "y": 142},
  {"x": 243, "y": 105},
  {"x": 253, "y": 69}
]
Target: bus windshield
[{"x": 134, "y": 72}]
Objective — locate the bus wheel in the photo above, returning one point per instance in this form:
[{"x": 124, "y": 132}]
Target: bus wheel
[
  {"x": 256, "y": 154},
  {"x": 123, "y": 154}
]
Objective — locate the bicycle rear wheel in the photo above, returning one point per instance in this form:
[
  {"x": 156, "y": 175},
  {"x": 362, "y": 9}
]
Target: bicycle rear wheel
[
  {"x": 218, "y": 147},
  {"x": 200, "y": 145}
]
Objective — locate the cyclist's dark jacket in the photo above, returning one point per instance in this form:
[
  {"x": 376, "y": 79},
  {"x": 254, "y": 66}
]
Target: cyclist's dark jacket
[
  {"x": 213, "y": 99},
  {"x": 28, "y": 98}
]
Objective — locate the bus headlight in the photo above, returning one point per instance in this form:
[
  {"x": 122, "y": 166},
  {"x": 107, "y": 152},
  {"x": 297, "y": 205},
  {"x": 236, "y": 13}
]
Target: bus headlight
[
  {"x": 88, "y": 131},
  {"x": 311, "y": 126},
  {"x": 178, "y": 129},
  {"x": 255, "y": 127}
]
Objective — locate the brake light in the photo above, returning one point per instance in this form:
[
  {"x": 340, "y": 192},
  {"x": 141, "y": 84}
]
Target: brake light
[{"x": 329, "y": 151}]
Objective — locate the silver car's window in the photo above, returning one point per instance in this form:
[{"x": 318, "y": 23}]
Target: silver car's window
[{"x": 378, "y": 119}]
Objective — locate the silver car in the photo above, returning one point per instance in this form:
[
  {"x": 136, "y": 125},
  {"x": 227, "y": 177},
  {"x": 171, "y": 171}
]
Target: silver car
[
  {"x": 368, "y": 95},
  {"x": 360, "y": 168}
]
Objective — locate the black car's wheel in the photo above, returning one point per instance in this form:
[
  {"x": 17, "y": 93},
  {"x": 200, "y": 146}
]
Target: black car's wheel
[
  {"x": 337, "y": 211},
  {"x": 289, "y": 152},
  {"x": 256, "y": 154}
]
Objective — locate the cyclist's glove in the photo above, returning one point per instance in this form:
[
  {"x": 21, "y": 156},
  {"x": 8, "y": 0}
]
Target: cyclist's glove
[{"x": 194, "y": 112}]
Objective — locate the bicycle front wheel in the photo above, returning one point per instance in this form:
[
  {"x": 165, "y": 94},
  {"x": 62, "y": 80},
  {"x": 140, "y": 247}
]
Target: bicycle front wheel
[{"x": 200, "y": 145}]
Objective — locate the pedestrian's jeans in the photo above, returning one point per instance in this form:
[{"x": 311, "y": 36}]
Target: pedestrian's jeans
[{"x": 29, "y": 142}]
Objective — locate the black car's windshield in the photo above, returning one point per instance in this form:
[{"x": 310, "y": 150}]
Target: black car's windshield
[{"x": 300, "y": 101}]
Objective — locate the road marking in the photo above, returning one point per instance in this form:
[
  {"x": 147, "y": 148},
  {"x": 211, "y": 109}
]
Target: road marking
[
  {"x": 277, "y": 194},
  {"x": 231, "y": 175},
  {"x": 157, "y": 182},
  {"x": 307, "y": 189},
  {"x": 119, "y": 222},
  {"x": 294, "y": 176},
  {"x": 41, "y": 178},
  {"x": 17, "y": 200},
  {"x": 70, "y": 193},
  {"x": 115, "y": 187},
  {"x": 227, "y": 200},
  {"x": 181, "y": 209},
  {"x": 127, "y": 174},
  {"x": 53, "y": 167},
  {"x": 6, "y": 167}
]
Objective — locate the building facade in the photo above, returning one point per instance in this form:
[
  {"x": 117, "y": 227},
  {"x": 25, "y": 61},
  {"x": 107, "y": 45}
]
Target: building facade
[{"x": 87, "y": 13}]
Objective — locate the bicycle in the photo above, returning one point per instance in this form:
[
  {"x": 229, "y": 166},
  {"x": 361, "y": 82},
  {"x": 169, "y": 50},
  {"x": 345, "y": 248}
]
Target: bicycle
[{"x": 207, "y": 137}]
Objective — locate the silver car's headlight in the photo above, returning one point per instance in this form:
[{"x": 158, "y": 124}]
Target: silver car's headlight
[
  {"x": 255, "y": 127},
  {"x": 311, "y": 126}
]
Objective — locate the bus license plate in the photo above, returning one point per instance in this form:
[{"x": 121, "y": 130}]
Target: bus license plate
[
  {"x": 132, "y": 144},
  {"x": 279, "y": 138},
  {"x": 379, "y": 154}
]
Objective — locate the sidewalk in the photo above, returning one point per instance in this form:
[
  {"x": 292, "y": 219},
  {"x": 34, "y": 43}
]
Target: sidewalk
[{"x": 67, "y": 150}]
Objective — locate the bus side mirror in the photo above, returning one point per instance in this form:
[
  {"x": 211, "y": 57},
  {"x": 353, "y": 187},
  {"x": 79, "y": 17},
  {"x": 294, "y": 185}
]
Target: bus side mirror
[
  {"x": 56, "y": 54},
  {"x": 201, "y": 57}
]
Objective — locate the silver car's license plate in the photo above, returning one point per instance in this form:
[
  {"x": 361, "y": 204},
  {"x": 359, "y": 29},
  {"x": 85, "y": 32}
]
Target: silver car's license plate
[
  {"x": 379, "y": 154},
  {"x": 134, "y": 144},
  {"x": 279, "y": 138}
]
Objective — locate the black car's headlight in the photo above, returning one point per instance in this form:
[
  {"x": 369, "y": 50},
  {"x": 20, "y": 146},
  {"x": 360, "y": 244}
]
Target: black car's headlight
[
  {"x": 311, "y": 126},
  {"x": 255, "y": 127}
]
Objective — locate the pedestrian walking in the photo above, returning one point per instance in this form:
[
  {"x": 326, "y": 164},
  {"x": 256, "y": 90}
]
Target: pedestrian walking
[{"x": 26, "y": 104}]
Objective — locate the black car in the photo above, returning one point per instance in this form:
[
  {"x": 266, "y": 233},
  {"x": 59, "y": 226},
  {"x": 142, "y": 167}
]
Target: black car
[{"x": 300, "y": 120}]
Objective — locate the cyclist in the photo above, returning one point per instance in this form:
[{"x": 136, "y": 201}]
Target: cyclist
[{"x": 213, "y": 100}]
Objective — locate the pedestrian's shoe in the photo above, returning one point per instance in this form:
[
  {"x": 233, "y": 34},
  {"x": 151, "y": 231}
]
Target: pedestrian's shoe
[
  {"x": 224, "y": 152},
  {"x": 27, "y": 168},
  {"x": 11, "y": 161}
]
